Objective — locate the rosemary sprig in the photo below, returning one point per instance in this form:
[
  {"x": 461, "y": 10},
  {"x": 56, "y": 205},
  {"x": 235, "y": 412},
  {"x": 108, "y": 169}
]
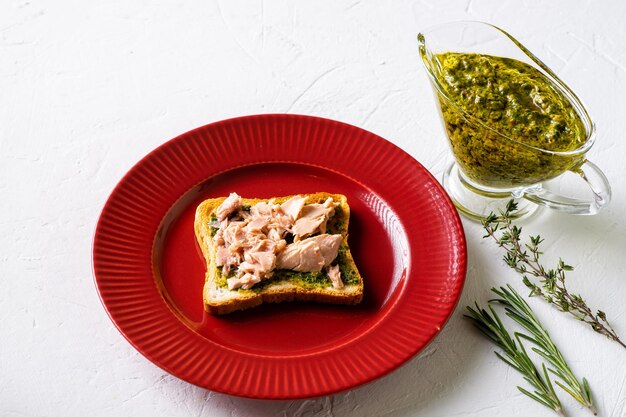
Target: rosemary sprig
[
  {"x": 525, "y": 259},
  {"x": 517, "y": 309},
  {"x": 516, "y": 357}
]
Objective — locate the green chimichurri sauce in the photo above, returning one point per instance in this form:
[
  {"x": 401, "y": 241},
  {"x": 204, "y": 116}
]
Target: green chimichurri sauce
[{"x": 518, "y": 109}]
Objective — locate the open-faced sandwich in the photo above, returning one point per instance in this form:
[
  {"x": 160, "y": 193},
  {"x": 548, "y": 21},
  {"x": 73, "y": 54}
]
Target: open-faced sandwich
[{"x": 281, "y": 249}]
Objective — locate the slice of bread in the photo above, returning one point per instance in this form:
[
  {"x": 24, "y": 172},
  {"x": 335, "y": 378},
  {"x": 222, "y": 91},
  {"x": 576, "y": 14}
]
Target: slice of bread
[{"x": 284, "y": 285}]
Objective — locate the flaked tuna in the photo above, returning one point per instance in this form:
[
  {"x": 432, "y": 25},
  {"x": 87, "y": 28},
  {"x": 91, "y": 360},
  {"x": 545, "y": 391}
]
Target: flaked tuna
[
  {"x": 251, "y": 244},
  {"x": 313, "y": 218},
  {"x": 310, "y": 255},
  {"x": 228, "y": 206},
  {"x": 257, "y": 223},
  {"x": 293, "y": 207},
  {"x": 335, "y": 276},
  {"x": 246, "y": 281},
  {"x": 261, "y": 209}
]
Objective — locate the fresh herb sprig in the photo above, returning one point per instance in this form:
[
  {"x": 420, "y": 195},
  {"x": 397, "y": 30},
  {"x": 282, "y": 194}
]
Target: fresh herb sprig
[
  {"x": 517, "y": 309},
  {"x": 517, "y": 357},
  {"x": 525, "y": 259}
]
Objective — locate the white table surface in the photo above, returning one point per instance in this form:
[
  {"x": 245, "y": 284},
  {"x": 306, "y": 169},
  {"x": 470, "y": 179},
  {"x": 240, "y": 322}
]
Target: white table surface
[{"x": 88, "y": 88}]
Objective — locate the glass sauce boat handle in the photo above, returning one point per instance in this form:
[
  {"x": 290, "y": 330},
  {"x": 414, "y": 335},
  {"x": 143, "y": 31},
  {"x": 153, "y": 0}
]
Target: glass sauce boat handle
[{"x": 595, "y": 179}]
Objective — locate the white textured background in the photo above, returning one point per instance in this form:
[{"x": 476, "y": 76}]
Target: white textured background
[{"x": 88, "y": 88}]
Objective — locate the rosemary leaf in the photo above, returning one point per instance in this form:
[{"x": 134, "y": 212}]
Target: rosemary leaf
[
  {"x": 519, "y": 310},
  {"x": 515, "y": 355}
]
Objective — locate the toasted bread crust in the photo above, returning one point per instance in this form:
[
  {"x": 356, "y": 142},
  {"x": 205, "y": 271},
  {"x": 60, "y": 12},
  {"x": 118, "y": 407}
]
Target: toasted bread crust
[{"x": 273, "y": 293}]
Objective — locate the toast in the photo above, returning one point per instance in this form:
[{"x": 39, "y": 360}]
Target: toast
[{"x": 283, "y": 284}]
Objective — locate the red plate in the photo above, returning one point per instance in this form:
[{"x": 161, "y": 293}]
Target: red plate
[{"x": 405, "y": 235}]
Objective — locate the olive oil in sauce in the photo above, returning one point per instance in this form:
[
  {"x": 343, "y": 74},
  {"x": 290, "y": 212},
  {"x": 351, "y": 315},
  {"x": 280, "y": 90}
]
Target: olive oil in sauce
[{"x": 502, "y": 115}]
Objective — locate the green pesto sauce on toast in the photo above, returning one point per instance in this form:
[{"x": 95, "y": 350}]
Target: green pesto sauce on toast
[
  {"x": 212, "y": 229},
  {"x": 336, "y": 224}
]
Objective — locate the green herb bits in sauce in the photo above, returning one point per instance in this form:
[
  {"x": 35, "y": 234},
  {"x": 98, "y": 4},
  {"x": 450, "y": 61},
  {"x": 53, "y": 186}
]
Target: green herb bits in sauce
[{"x": 505, "y": 118}]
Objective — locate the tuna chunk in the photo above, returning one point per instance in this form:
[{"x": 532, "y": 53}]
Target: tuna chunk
[
  {"x": 273, "y": 234},
  {"x": 251, "y": 268},
  {"x": 226, "y": 259},
  {"x": 310, "y": 255},
  {"x": 245, "y": 282},
  {"x": 293, "y": 207},
  {"x": 303, "y": 256},
  {"x": 257, "y": 223},
  {"x": 232, "y": 203},
  {"x": 313, "y": 217},
  {"x": 261, "y": 258},
  {"x": 234, "y": 235},
  {"x": 261, "y": 209},
  {"x": 335, "y": 276},
  {"x": 221, "y": 257},
  {"x": 266, "y": 260},
  {"x": 329, "y": 245}
]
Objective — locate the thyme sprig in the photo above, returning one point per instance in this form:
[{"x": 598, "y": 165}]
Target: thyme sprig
[
  {"x": 525, "y": 259},
  {"x": 515, "y": 355},
  {"x": 517, "y": 309}
]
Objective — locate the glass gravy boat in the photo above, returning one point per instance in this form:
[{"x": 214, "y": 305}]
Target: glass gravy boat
[{"x": 491, "y": 167}]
